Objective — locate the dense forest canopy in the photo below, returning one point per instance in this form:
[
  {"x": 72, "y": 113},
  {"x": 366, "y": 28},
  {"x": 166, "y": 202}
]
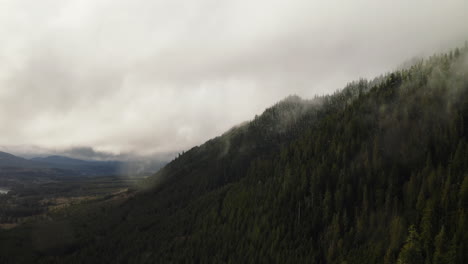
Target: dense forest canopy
[{"x": 375, "y": 173}]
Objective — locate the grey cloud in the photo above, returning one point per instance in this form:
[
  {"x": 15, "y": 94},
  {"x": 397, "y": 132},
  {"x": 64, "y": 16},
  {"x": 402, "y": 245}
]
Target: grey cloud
[{"x": 151, "y": 77}]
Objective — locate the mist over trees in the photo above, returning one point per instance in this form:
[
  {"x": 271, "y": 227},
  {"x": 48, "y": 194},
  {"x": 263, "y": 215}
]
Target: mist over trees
[{"x": 375, "y": 173}]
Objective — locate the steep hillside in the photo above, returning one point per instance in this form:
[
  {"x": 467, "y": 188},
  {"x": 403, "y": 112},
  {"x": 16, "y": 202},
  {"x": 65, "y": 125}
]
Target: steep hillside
[{"x": 375, "y": 173}]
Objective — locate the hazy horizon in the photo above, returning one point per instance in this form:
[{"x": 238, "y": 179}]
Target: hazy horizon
[{"x": 121, "y": 78}]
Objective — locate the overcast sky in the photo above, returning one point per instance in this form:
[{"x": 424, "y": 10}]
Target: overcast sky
[{"x": 161, "y": 76}]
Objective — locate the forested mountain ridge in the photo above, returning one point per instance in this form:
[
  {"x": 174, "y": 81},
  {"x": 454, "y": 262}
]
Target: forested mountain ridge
[{"x": 375, "y": 173}]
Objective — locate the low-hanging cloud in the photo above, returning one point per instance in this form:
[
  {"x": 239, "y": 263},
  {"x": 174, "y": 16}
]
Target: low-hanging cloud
[{"x": 161, "y": 76}]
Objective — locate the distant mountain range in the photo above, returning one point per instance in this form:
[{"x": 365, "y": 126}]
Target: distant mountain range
[
  {"x": 8, "y": 160},
  {"x": 69, "y": 166},
  {"x": 83, "y": 167},
  {"x": 66, "y": 166}
]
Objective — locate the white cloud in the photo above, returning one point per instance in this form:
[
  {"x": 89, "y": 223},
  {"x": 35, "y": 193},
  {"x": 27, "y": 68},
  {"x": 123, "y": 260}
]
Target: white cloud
[{"x": 160, "y": 76}]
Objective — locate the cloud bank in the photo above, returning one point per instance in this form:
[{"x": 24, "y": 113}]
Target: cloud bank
[{"x": 161, "y": 76}]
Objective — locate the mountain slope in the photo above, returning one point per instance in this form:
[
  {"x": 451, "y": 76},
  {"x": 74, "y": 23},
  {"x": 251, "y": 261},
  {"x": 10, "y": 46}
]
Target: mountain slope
[{"x": 375, "y": 173}]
